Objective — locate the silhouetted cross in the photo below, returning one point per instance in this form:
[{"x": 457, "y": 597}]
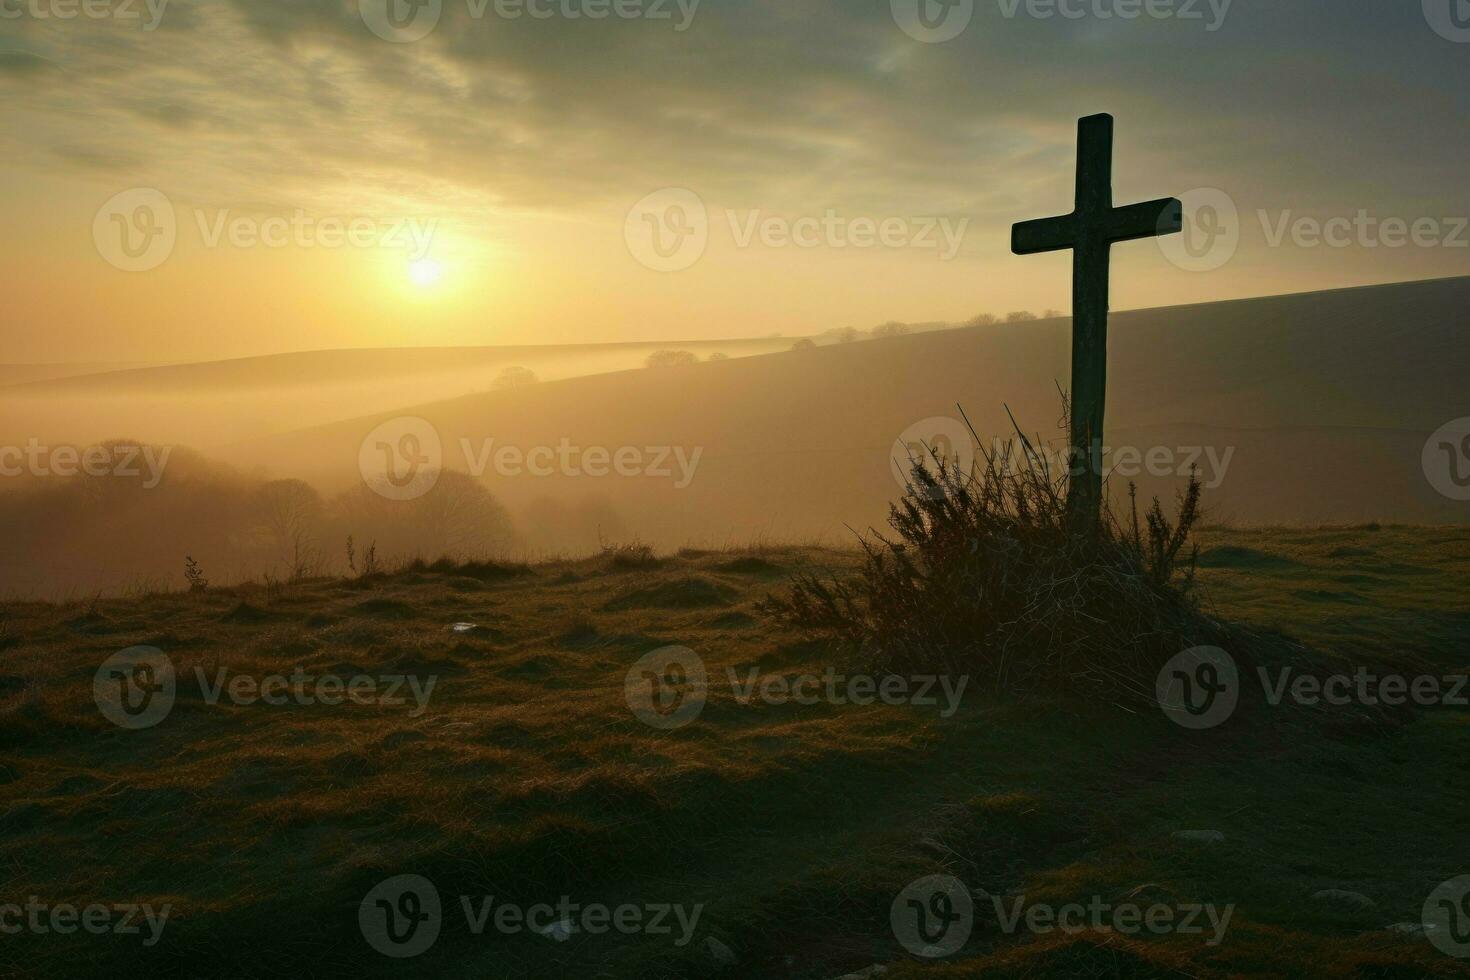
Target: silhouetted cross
[{"x": 1090, "y": 230}]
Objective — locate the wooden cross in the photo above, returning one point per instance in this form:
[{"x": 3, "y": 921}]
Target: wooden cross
[{"x": 1090, "y": 231}]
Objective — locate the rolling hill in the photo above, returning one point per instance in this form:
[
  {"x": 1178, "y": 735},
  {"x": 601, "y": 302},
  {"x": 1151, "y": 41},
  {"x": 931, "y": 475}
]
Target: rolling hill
[{"x": 1301, "y": 408}]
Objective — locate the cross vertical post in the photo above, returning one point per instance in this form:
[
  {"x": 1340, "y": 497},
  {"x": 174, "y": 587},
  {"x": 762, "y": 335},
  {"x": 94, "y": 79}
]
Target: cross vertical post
[{"x": 1090, "y": 231}]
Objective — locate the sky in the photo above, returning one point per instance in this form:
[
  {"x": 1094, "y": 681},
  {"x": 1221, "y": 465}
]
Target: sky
[{"x": 197, "y": 179}]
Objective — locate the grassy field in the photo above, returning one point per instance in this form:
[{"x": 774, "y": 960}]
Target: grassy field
[{"x": 791, "y": 828}]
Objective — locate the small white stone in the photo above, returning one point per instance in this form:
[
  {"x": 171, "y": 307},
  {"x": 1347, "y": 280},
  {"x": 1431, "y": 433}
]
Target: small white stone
[
  {"x": 1342, "y": 897},
  {"x": 1411, "y": 928},
  {"x": 719, "y": 952},
  {"x": 561, "y": 930}
]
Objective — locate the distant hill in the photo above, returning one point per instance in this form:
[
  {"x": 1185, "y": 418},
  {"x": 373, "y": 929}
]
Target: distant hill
[
  {"x": 212, "y": 402},
  {"x": 1320, "y": 402}
]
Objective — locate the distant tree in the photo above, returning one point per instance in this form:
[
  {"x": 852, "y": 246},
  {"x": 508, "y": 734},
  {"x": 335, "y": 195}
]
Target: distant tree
[
  {"x": 1053, "y": 315},
  {"x": 983, "y": 320},
  {"x": 719, "y": 357},
  {"x": 1020, "y": 316},
  {"x": 515, "y": 376},
  {"x": 284, "y": 518},
  {"x": 846, "y": 335},
  {"x": 671, "y": 358},
  {"x": 805, "y": 343},
  {"x": 891, "y": 329}
]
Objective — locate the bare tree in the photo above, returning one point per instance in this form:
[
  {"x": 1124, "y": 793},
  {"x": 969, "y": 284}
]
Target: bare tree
[
  {"x": 285, "y": 516},
  {"x": 515, "y": 376},
  {"x": 671, "y": 358}
]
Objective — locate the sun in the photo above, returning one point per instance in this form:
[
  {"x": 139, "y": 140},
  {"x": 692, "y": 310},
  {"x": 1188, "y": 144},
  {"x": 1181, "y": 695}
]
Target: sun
[{"x": 425, "y": 272}]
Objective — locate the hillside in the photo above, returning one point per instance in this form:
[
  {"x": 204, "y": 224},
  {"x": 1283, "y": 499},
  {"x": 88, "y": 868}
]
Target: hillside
[
  {"x": 207, "y": 403},
  {"x": 1303, "y": 408},
  {"x": 789, "y": 827}
]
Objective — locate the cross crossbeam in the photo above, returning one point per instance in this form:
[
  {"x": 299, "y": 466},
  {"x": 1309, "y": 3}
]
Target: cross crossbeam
[{"x": 1090, "y": 232}]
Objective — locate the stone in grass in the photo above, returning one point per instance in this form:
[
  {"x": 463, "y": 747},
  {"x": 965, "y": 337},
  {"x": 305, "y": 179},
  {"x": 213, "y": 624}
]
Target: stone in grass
[
  {"x": 1339, "y": 896},
  {"x": 561, "y": 930},
  {"x": 722, "y": 955},
  {"x": 1410, "y": 928},
  {"x": 1200, "y": 836}
]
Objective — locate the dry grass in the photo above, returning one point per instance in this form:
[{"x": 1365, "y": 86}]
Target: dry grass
[{"x": 528, "y": 778}]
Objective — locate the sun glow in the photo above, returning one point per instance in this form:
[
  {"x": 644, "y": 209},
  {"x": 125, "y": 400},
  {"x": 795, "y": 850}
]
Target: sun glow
[{"x": 425, "y": 272}]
